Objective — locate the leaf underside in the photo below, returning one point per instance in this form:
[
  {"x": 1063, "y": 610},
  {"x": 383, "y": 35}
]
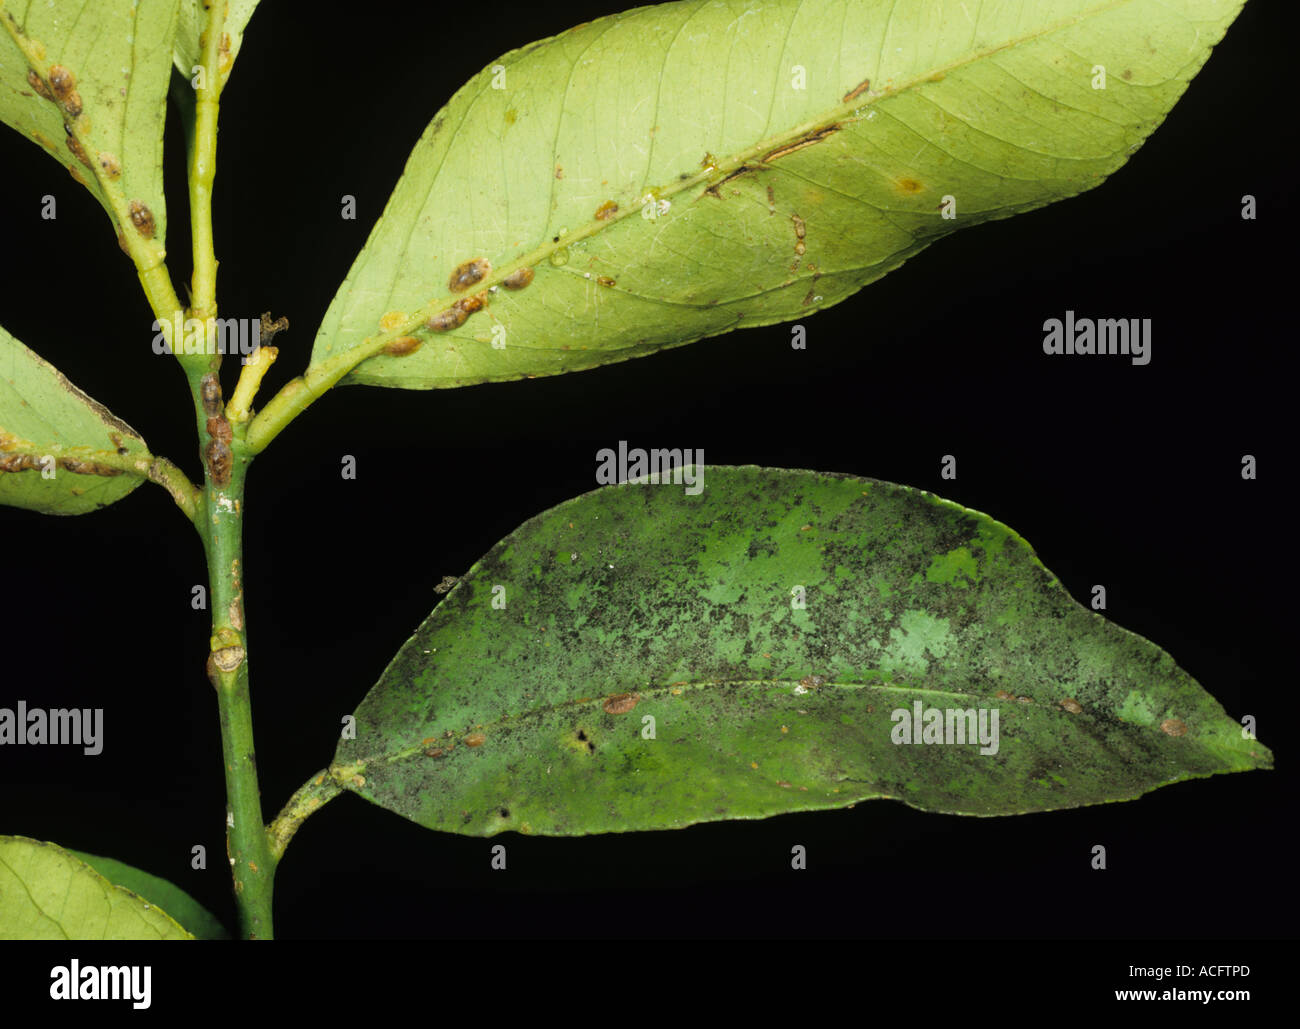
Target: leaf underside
[
  {"x": 48, "y": 428},
  {"x": 119, "y": 56},
  {"x": 184, "y": 909},
  {"x": 770, "y": 201},
  {"x": 188, "y": 51},
  {"x": 680, "y": 608},
  {"x": 48, "y": 893}
]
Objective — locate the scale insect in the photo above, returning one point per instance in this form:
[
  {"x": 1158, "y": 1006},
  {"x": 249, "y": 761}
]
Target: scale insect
[{"x": 469, "y": 274}]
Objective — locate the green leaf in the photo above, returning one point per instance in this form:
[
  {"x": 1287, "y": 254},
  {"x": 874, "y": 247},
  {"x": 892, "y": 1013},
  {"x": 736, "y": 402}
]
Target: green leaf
[
  {"x": 104, "y": 115},
  {"x": 47, "y": 893},
  {"x": 188, "y": 53},
  {"x": 55, "y": 440},
  {"x": 642, "y": 602},
  {"x": 790, "y": 152},
  {"x": 187, "y": 911}
]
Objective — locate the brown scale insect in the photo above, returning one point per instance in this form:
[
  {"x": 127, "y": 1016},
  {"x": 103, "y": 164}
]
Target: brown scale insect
[
  {"x": 62, "y": 82},
  {"x": 19, "y": 463},
  {"x": 606, "y": 211},
  {"x": 210, "y": 394},
  {"x": 620, "y": 703},
  {"x": 471, "y": 304},
  {"x": 78, "y": 151},
  {"x": 109, "y": 165},
  {"x": 604, "y": 280},
  {"x": 856, "y": 91},
  {"x": 402, "y": 346},
  {"x": 142, "y": 219},
  {"x": 475, "y": 739},
  {"x": 87, "y": 467},
  {"x": 217, "y": 457},
  {"x": 444, "y": 321},
  {"x": 518, "y": 279},
  {"x": 468, "y": 274},
  {"x": 38, "y": 84},
  {"x": 1072, "y": 705},
  {"x": 219, "y": 428},
  {"x": 1174, "y": 727}
]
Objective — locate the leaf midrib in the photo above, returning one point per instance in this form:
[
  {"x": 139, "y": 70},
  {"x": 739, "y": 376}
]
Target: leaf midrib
[{"x": 682, "y": 686}]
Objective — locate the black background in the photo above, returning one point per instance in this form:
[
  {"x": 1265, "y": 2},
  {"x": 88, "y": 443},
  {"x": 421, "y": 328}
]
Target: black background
[{"x": 1120, "y": 475}]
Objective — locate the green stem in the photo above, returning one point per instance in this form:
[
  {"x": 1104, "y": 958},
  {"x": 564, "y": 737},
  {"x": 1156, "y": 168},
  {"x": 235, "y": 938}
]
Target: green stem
[
  {"x": 252, "y": 864},
  {"x": 203, "y": 169}
]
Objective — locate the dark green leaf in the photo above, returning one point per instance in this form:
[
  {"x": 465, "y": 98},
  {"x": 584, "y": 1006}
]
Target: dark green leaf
[{"x": 682, "y": 610}]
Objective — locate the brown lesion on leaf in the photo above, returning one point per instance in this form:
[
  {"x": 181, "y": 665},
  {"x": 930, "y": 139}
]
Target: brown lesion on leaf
[
  {"x": 811, "y": 139},
  {"x": 800, "y": 231},
  {"x": 584, "y": 740},
  {"x": 908, "y": 186},
  {"x": 715, "y": 190},
  {"x": 810, "y": 297}
]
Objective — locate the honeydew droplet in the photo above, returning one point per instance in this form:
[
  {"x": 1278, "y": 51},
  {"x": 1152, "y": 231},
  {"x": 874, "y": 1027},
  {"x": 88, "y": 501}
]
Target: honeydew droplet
[{"x": 559, "y": 257}]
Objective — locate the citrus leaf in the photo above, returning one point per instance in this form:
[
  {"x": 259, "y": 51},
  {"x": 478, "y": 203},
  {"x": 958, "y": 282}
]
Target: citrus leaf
[
  {"x": 187, "y": 911},
  {"x": 678, "y": 171},
  {"x": 188, "y": 51},
  {"x": 86, "y": 80},
  {"x": 55, "y": 440},
  {"x": 653, "y": 667},
  {"x": 48, "y": 893}
]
